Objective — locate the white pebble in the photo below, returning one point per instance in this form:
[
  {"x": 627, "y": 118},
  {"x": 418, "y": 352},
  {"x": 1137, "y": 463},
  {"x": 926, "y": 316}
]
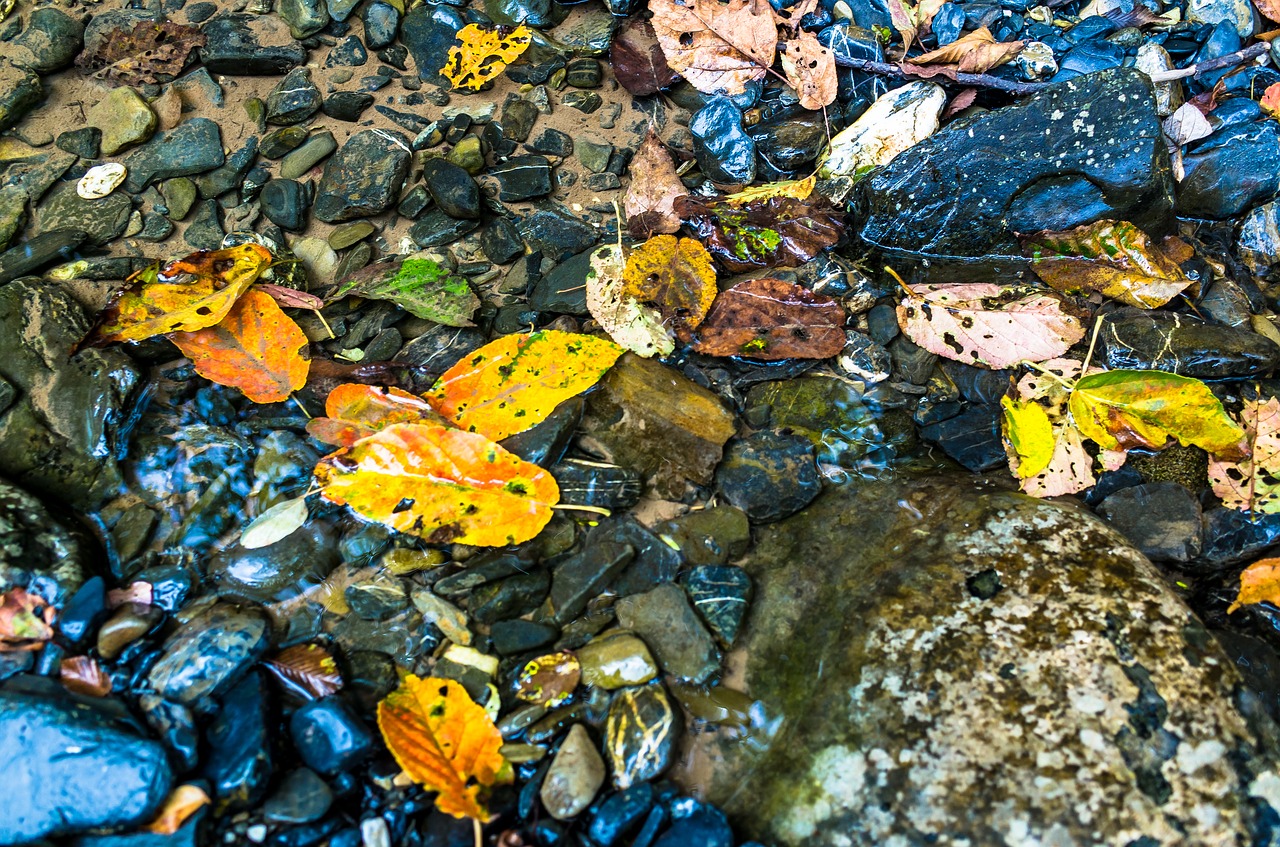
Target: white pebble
[{"x": 101, "y": 180}]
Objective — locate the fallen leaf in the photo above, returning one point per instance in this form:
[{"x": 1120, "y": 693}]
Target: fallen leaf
[
  {"x": 652, "y": 191},
  {"x": 959, "y": 103},
  {"x": 810, "y": 69},
  {"x": 1028, "y": 436},
  {"x": 256, "y": 348},
  {"x": 327, "y": 374},
  {"x": 512, "y": 383},
  {"x": 1070, "y": 469},
  {"x": 421, "y": 287},
  {"x": 1124, "y": 409},
  {"x": 630, "y": 323},
  {"x": 1252, "y": 484},
  {"x": 149, "y": 53},
  {"x": 992, "y": 326},
  {"x": 291, "y": 298},
  {"x": 770, "y": 319},
  {"x": 183, "y": 802},
  {"x": 441, "y": 484},
  {"x": 276, "y": 523},
  {"x": 1270, "y": 100},
  {"x": 717, "y": 47},
  {"x": 902, "y": 14},
  {"x": 975, "y": 53},
  {"x": 444, "y": 741},
  {"x": 1112, "y": 258},
  {"x": 800, "y": 189},
  {"x": 1188, "y": 124},
  {"x": 1270, "y": 10},
  {"x": 777, "y": 232},
  {"x": 25, "y": 621},
  {"x": 354, "y": 410},
  {"x": 308, "y": 670},
  {"x": 82, "y": 675},
  {"x": 674, "y": 275},
  {"x": 1259, "y": 583},
  {"x": 637, "y": 58},
  {"x": 482, "y": 53},
  {"x": 184, "y": 295}
]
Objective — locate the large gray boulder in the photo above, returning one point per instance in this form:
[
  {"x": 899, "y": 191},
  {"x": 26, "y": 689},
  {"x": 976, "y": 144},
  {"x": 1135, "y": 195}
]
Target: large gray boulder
[{"x": 948, "y": 662}]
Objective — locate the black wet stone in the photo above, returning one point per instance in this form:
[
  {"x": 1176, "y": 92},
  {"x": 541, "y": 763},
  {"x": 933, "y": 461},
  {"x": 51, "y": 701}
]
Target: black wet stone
[
  {"x": 436, "y": 229},
  {"x": 1231, "y": 171},
  {"x": 346, "y": 105},
  {"x": 523, "y": 178},
  {"x": 720, "y": 594},
  {"x": 381, "y": 20},
  {"x": 552, "y": 142},
  {"x": 83, "y": 142},
  {"x": 85, "y": 608},
  {"x": 192, "y": 147},
  {"x": 221, "y": 180},
  {"x": 1184, "y": 345},
  {"x": 414, "y": 203},
  {"x": 972, "y": 437},
  {"x": 329, "y": 736},
  {"x": 428, "y": 31},
  {"x": 50, "y": 41},
  {"x": 72, "y": 765},
  {"x": 789, "y": 145},
  {"x": 364, "y": 177},
  {"x": 297, "y": 561},
  {"x": 285, "y": 203},
  {"x": 769, "y": 475},
  {"x": 239, "y": 762},
  {"x": 500, "y": 242},
  {"x": 586, "y": 102},
  {"x": 618, "y": 814},
  {"x": 452, "y": 188},
  {"x": 581, "y": 576},
  {"x": 302, "y": 797},
  {"x": 518, "y": 118},
  {"x": 1232, "y": 536},
  {"x": 349, "y": 53},
  {"x": 294, "y": 98},
  {"x": 1162, "y": 519},
  {"x": 641, "y": 735},
  {"x": 535, "y": 13},
  {"x": 239, "y": 44},
  {"x": 511, "y": 597},
  {"x": 557, "y": 234},
  {"x": 583, "y": 72},
  {"x": 597, "y": 484},
  {"x": 513, "y": 637},
  {"x": 705, "y": 827},
  {"x": 205, "y": 231},
  {"x": 205, "y": 656},
  {"x": 563, "y": 290},
  {"x": 278, "y": 142},
  {"x": 724, "y": 151},
  {"x": 545, "y": 443}
]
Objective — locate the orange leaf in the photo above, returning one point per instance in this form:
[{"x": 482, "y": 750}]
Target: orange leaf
[
  {"x": 165, "y": 300},
  {"x": 1260, "y": 582},
  {"x": 82, "y": 675},
  {"x": 181, "y": 804},
  {"x": 512, "y": 383},
  {"x": 1270, "y": 100},
  {"x": 444, "y": 741},
  {"x": 25, "y": 621},
  {"x": 441, "y": 484},
  {"x": 354, "y": 411},
  {"x": 306, "y": 669},
  {"x": 256, "y": 348}
]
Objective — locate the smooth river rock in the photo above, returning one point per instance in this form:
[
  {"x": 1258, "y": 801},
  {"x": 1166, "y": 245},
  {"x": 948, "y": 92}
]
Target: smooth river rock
[{"x": 947, "y": 662}]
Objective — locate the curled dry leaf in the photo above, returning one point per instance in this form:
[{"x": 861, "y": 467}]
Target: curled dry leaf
[
  {"x": 512, "y": 383},
  {"x": 630, "y": 323},
  {"x": 275, "y": 524},
  {"x": 649, "y": 204},
  {"x": 354, "y": 410},
  {"x": 26, "y": 621},
  {"x": 800, "y": 189},
  {"x": 183, "y": 802},
  {"x": 82, "y": 675},
  {"x": 482, "y": 53},
  {"x": 772, "y": 319},
  {"x": 1252, "y": 484},
  {"x": 421, "y": 287},
  {"x": 810, "y": 69},
  {"x": 1112, "y": 258},
  {"x": 992, "y": 326},
  {"x": 291, "y": 298},
  {"x": 675, "y": 276},
  {"x": 184, "y": 295},
  {"x": 1188, "y": 124},
  {"x": 440, "y": 484},
  {"x": 975, "y": 53},
  {"x": 716, "y": 46},
  {"x": 777, "y": 232},
  {"x": 308, "y": 670},
  {"x": 256, "y": 348},
  {"x": 149, "y": 53},
  {"x": 445, "y": 742},
  {"x": 637, "y": 58}
]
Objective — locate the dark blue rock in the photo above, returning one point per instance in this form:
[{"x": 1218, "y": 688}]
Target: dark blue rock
[
  {"x": 1232, "y": 536},
  {"x": 294, "y": 98},
  {"x": 1223, "y": 39},
  {"x": 1231, "y": 171},
  {"x": 725, "y": 153},
  {"x": 239, "y": 764},
  {"x": 349, "y": 53},
  {"x": 869, "y": 14},
  {"x": 85, "y": 608},
  {"x": 381, "y": 20},
  {"x": 1088, "y": 58},
  {"x": 428, "y": 31},
  {"x": 557, "y": 234},
  {"x": 192, "y": 147},
  {"x": 453, "y": 189},
  {"x": 365, "y": 176},
  {"x": 1090, "y": 28},
  {"x": 329, "y": 737},
  {"x": 619, "y": 813},
  {"x": 972, "y": 437},
  {"x": 769, "y": 475},
  {"x": 720, "y": 594},
  {"x": 705, "y": 827},
  {"x": 243, "y": 44},
  {"x": 285, "y": 203},
  {"x": 948, "y": 23}
]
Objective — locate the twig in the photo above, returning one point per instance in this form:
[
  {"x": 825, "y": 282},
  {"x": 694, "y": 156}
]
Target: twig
[
  {"x": 1239, "y": 57},
  {"x": 976, "y": 80}
]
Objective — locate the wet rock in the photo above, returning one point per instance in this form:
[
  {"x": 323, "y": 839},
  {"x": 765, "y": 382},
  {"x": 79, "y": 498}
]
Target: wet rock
[
  {"x": 37, "y": 252},
  {"x": 721, "y": 594},
  {"x": 552, "y": 142},
  {"x": 307, "y": 155},
  {"x": 597, "y": 484},
  {"x": 510, "y": 598},
  {"x": 581, "y": 576},
  {"x": 556, "y": 233},
  {"x": 294, "y": 99},
  {"x": 453, "y": 189},
  {"x": 428, "y": 31},
  {"x": 563, "y": 290},
  {"x": 1161, "y": 519},
  {"x": 329, "y": 737},
  {"x": 897, "y": 121},
  {"x": 972, "y": 437},
  {"x": 724, "y": 151},
  {"x": 129, "y": 623},
  {"x": 124, "y": 119},
  {"x": 50, "y": 41},
  {"x": 829, "y": 412},
  {"x": 667, "y": 622},
  {"x": 207, "y": 654},
  {"x": 1139, "y": 699},
  {"x": 242, "y": 44},
  {"x": 620, "y": 813},
  {"x": 616, "y": 659},
  {"x": 1231, "y": 171},
  {"x": 1086, "y": 149},
  {"x": 304, "y": 17},
  {"x": 13, "y": 213},
  {"x": 59, "y": 438},
  {"x": 239, "y": 764},
  {"x": 1185, "y": 345},
  {"x": 518, "y": 118},
  {"x": 576, "y": 774},
  {"x": 302, "y": 797},
  {"x": 513, "y": 637},
  {"x": 347, "y": 105},
  {"x": 437, "y": 229},
  {"x": 192, "y": 147},
  {"x": 642, "y": 730},
  {"x": 381, "y": 20},
  {"x": 1237, "y": 13},
  {"x": 1259, "y": 243},
  {"x": 790, "y": 145},
  {"x": 710, "y": 536},
  {"x": 500, "y": 242},
  {"x": 705, "y": 827},
  {"x": 20, "y": 91},
  {"x": 205, "y": 231},
  {"x": 37, "y": 552},
  {"x": 73, "y": 766},
  {"x": 523, "y": 178},
  {"x": 365, "y": 176},
  {"x": 535, "y": 13},
  {"x": 298, "y": 561},
  {"x": 646, "y": 417},
  {"x": 285, "y": 203},
  {"x": 769, "y": 475},
  {"x": 102, "y": 220}
]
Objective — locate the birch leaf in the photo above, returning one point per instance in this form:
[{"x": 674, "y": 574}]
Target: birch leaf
[{"x": 1252, "y": 484}]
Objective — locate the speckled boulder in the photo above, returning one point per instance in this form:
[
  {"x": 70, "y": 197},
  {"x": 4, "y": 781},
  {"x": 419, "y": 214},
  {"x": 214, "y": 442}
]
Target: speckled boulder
[{"x": 947, "y": 662}]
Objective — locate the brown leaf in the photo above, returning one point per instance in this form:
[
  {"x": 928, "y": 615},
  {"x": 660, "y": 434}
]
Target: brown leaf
[
  {"x": 1270, "y": 9},
  {"x": 182, "y": 803},
  {"x": 82, "y": 675},
  {"x": 638, "y": 60},
  {"x": 716, "y": 46},
  {"x": 291, "y": 298},
  {"x": 652, "y": 191},
  {"x": 149, "y": 53},
  {"x": 975, "y": 53},
  {"x": 25, "y": 621},
  {"x": 675, "y": 275},
  {"x": 810, "y": 69},
  {"x": 778, "y": 232},
  {"x": 771, "y": 319},
  {"x": 960, "y": 102},
  {"x": 307, "y": 670}
]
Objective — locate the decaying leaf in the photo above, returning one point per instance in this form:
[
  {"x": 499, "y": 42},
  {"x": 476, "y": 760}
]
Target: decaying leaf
[
  {"x": 184, "y": 295},
  {"x": 183, "y": 802},
  {"x": 674, "y": 275},
  {"x": 1070, "y": 469},
  {"x": 630, "y": 323},
  {"x": 1124, "y": 409},
  {"x": 771, "y": 319},
  {"x": 276, "y": 523},
  {"x": 354, "y": 410},
  {"x": 1112, "y": 258},
  {"x": 444, "y": 741},
  {"x": 256, "y": 348},
  {"x": 1252, "y": 484},
  {"x": 912, "y": 20},
  {"x": 482, "y": 53},
  {"x": 148, "y": 54},
  {"x": 777, "y": 232},
  {"x": 716, "y": 46},
  {"x": 649, "y": 204},
  {"x": 974, "y": 53},
  {"x": 512, "y": 383},
  {"x": 82, "y": 675},
  {"x": 800, "y": 189},
  {"x": 25, "y": 621},
  {"x": 308, "y": 670},
  {"x": 993, "y": 326},
  {"x": 637, "y": 58},
  {"x": 810, "y": 69},
  {"x": 440, "y": 484},
  {"x": 421, "y": 287},
  {"x": 291, "y": 298},
  {"x": 1045, "y": 451},
  {"x": 1270, "y": 9},
  {"x": 1187, "y": 124}
]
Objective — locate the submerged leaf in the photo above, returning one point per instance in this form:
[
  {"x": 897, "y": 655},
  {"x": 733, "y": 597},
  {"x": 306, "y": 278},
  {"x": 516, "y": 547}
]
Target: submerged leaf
[
  {"x": 82, "y": 675},
  {"x": 1252, "y": 484},
  {"x": 649, "y": 204},
  {"x": 637, "y": 58},
  {"x": 674, "y": 275},
  {"x": 635, "y": 326},
  {"x": 716, "y": 46},
  {"x": 355, "y": 410},
  {"x": 444, "y": 741},
  {"x": 308, "y": 670},
  {"x": 421, "y": 287},
  {"x": 777, "y": 232},
  {"x": 800, "y": 189},
  {"x": 771, "y": 319},
  {"x": 482, "y": 53},
  {"x": 440, "y": 484},
  {"x": 183, "y": 802},
  {"x": 1259, "y": 583},
  {"x": 275, "y": 524}
]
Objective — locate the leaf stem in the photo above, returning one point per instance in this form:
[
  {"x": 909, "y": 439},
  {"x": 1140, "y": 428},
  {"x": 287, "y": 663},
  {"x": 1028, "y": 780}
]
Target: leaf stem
[
  {"x": 325, "y": 324},
  {"x": 1065, "y": 383},
  {"x": 1097, "y": 327},
  {"x": 594, "y": 509},
  {"x": 904, "y": 286},
  {"x": 301, "y": 407},
  {"x": 477, "y": 832}
]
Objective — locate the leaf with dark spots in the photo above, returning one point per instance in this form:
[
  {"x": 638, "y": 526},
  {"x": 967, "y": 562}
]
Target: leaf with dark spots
[
  {"x": 148, "y": 54},
  {"x": 771, "y": 319},
  {"x": 777, "y": 232},
  {"x": 638, "y": 60}
]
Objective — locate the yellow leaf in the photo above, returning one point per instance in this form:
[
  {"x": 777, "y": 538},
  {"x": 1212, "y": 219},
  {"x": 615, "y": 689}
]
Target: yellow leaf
[
  {"x": 676, "y": 276},
  {"x": 635, "y": 326},
  {"x": 800, "y": 189},
  {"x": 181, "y": 804},
  {"x": 1029, "y": 433},
  {"x": 482, "y": 53},
  {"x": 1260, "y": 582},
  {"x": 443, "y": 741}
]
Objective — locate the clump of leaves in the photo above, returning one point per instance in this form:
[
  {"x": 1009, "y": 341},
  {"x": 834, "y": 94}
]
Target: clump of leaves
[
  {"x": 149, "y": 53},
  {"x": 26, "y": 621},
  {"x": 482, "y": 53},
  {"x": 775, "y": 232},
  {"x": 630, "y": 323}
]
